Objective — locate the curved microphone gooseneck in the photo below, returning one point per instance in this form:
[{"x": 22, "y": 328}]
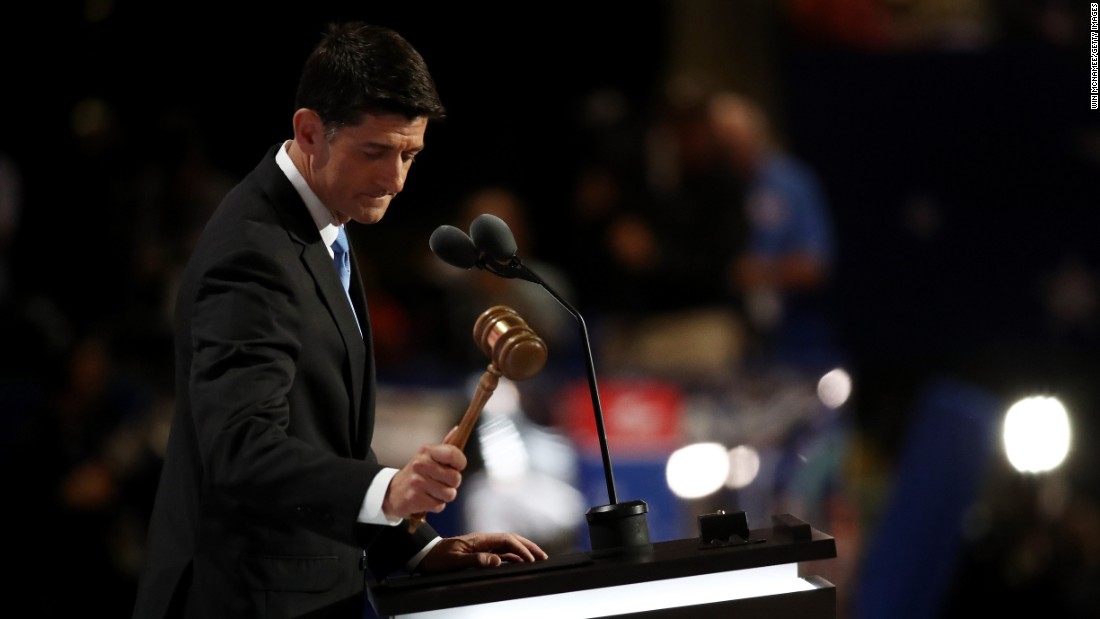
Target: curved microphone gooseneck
[{"x": 491, "y": 247}]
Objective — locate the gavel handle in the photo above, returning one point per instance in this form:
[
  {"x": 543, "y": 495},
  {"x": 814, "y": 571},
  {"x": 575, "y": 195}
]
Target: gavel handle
[{"x": 458, "y": 438}]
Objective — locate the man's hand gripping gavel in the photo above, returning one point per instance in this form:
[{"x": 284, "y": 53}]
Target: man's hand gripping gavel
[{"x": 516, "y": 352}]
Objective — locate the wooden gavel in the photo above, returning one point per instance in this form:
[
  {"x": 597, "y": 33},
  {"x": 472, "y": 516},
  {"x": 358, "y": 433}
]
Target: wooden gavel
[{"x": 515, "y": 352}]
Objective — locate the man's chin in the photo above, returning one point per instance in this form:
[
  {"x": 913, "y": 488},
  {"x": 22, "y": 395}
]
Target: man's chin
[{"x": 371, "y": 214}]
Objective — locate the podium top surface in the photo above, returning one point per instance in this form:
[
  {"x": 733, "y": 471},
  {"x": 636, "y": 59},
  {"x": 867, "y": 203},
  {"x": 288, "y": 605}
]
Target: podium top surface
[{"x": 582, "y": 570}]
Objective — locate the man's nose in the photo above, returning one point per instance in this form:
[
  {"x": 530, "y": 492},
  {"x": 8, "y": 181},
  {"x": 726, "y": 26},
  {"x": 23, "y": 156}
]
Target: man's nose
[{"x": 392, "y": 176}]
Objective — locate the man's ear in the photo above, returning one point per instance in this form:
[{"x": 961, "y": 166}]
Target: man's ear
[{"x": 309, "y": 131}]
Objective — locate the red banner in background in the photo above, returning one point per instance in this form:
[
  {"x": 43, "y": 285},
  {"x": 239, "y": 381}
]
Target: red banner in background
[{"x": 640, "y": 416}]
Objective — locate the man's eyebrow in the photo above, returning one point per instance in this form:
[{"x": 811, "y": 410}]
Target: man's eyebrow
[{"x": 389, "y": 146}]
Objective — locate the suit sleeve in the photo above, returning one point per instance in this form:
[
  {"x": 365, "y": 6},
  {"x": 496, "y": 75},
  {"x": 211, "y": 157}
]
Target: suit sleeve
[{"x": 394, "y": 546}]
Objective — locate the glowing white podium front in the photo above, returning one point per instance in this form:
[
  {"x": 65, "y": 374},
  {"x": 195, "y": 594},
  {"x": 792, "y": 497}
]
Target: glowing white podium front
[{"x": 755, "y": 577}]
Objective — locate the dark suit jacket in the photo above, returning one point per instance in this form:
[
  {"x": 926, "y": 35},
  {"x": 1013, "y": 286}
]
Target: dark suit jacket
[{"x": 269, "y": 456}]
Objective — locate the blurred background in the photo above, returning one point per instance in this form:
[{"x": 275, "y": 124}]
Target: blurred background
[{"x": 837, "y": 258}]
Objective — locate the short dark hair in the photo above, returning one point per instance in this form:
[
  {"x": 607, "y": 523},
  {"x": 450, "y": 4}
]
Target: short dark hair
[{"x": 359, "y": 68}]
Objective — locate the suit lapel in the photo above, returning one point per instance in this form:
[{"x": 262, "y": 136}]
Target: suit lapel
[
  {"x": 318, "y": 262},
  {"x": 364, "y": 421}
]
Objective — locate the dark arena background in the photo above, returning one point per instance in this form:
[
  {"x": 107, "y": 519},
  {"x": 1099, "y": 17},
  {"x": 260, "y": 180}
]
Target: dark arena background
[{"x": 960, "y": 164}]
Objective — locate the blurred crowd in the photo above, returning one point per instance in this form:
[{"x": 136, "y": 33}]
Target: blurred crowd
[{"x": 711, "y": 241}]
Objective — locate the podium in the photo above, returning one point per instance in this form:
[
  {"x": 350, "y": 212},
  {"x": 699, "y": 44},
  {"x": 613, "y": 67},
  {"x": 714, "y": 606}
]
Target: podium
[{"x": 754, "y": 577}]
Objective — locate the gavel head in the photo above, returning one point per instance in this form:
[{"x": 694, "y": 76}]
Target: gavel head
[{"x": 515, "y": 350}]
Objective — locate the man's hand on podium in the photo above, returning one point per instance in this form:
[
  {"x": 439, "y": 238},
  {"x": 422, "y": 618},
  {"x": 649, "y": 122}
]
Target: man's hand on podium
[{"x": 480, "y": 550}]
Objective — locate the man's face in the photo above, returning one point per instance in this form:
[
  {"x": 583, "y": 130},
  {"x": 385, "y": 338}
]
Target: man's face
[{"x": 359, "y": 169}]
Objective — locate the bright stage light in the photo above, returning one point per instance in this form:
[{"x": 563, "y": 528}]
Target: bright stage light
[
  {"x": 697, "y": 470},
  {"x": 834, "y": 388},
  {"x": 1036, "y": 434},
  {"x": 744, "y": 466}
]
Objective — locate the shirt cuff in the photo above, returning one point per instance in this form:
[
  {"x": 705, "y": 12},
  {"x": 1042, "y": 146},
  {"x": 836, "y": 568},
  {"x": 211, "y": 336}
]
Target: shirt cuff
[
  {"x": 415, "y": 561},
  {"x": 371, "y": 511}
]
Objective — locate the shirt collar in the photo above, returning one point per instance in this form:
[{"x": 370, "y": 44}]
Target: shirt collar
[{"x": 321, "y": 215}]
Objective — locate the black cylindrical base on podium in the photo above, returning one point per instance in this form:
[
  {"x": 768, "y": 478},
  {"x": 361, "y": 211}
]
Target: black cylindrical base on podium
[{"x": 619, "y": 528}]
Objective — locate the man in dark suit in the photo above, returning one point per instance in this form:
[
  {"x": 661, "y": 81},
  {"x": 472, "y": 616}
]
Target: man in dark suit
[{"x": 271, "y": 502}]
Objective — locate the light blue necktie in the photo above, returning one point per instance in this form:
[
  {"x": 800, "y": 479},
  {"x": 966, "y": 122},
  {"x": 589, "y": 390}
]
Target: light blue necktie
[{"x": 342, "y": 259}]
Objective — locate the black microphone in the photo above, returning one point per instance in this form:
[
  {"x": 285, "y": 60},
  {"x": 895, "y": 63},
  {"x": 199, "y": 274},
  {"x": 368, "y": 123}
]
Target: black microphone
[
  {"x": 453, "y": 247},
  {"x": 491, "y": 235},
  {"x": 491, "y": 246}
]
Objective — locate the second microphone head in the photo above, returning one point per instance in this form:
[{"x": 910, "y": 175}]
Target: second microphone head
[
  {"x": 492, "y": 236},
  {"x": 453, "y": 246}
]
